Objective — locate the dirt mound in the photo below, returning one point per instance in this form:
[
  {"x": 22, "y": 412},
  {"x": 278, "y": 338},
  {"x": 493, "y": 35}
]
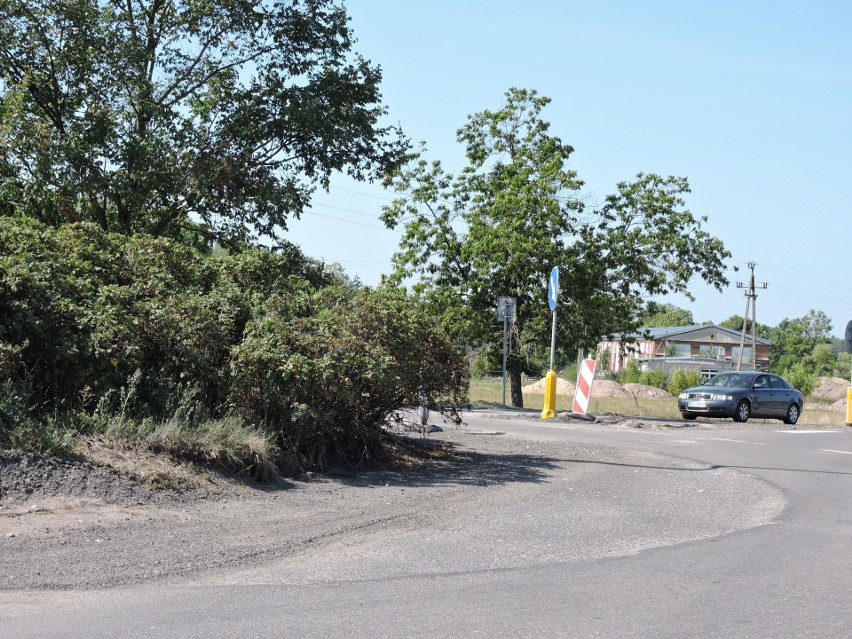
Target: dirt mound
[
  {"x": 600, "y": 388},
  {"x": 563, "y": 387},
  {"x": 839, "y": 406},
  {"x": 25, "y": 476},
  {"x": 643, "y": 390},
  {"x": 831, "y": 388},
  {"x": 607, "y": 388}
]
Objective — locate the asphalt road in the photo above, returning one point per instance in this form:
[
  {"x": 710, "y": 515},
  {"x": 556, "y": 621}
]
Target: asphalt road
[{"x": 705, "y": 531}]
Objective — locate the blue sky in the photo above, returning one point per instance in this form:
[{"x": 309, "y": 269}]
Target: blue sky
[{"x": 752, "y": 101}]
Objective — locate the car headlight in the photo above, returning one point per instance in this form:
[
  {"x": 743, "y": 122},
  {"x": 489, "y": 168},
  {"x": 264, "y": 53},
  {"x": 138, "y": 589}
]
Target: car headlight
[
  {"x": 683, "y": 396},
  {"x": 722, "y": 398}
]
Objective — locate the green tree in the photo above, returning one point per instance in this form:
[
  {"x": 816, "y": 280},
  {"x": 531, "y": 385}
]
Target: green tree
[
  {"x": 666, "y": 315},
  {"x": 735, "y": 323},
  {"x": 822, "y": 360},
  {"x": 842, "y": 365},
  {"x": 793, "y": 341},
  {"x": 136, "y": 114},
  {"x": 501, "y": 224}
]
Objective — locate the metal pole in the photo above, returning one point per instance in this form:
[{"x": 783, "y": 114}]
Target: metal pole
[
  {"x": 753, "y": 325},
  {"x": 553, "y": 341},
  {"x": 505, "y": 351},
  {"x": 742, "y": 337}
]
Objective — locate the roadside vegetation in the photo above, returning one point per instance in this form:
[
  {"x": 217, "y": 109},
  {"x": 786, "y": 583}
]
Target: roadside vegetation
[
  {"x": 146, "y": 183},
  {"x": 148, "y": 295},
  {"x": 256, "y": 361}
]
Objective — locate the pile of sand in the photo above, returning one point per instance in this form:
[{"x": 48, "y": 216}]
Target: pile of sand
[
  {"x": 839, "y": 406},
  {"x": 831, "y": 388},
  {"x": 600, "y": 388},
  {"x": 607, "y": 388},
  {"x": 642, "y": 390},
  {"x": 563, "y": 387}
]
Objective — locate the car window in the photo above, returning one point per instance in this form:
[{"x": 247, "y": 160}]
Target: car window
[
  {"x": 761, "y": 381},
  {"x": 729, "y": 380},
  {"x": 777, "y": 382},
  {"x": 715, "y": 381},
  {"x": 718, "y": 380}
]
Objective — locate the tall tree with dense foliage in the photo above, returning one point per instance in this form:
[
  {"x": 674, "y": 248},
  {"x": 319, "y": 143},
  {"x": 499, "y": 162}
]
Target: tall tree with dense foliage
[
  {"x": 500, "y": 225},
  {"x": 794, "y": 340},
  {"x": 658, "y": 315},
  {"x": 140, "y": 115},
  {"x": 735, "y": 323}
]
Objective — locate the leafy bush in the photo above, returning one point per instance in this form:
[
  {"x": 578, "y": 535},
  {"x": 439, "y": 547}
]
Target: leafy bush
[
  {"x": 682, "y": 378},
  {"x": 324, "y": 370},
  {"x": 98, "y": 329},
  {"x": 570, "y": 372},
  {"x": 800, "y": 378},
  {"x": 484, "y": 364},
  {"x": 656, "y": 378},
  {"x": 630, "y": 374}
]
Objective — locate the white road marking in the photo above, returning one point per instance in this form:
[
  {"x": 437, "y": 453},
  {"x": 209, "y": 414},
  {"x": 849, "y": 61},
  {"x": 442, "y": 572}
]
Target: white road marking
[
  {"x": 723, "y": 439},
  {"x": 842, "y": 452},
  {"x": 808, "y": 432}
]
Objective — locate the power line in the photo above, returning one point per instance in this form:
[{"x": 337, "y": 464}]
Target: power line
[
  {"x": 819, "y": 298},
  {"x": 340, "y": 208},
  {"x": 340, "y": 219},
  {"x": 377, "y": 197},
  {"x": 805, "y": 277},
  {"x": 696, "y": 284}
]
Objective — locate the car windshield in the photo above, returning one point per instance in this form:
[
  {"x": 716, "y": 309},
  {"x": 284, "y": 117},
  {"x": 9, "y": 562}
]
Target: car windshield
[{"x": 730, "y": 380}]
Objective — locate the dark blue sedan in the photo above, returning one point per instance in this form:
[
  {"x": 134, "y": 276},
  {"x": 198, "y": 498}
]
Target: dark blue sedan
[{"x": 743, "y": 394}]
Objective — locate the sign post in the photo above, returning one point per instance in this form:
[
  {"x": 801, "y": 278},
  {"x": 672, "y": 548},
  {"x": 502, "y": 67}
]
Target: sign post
[
  {"x": 849, "y": 390},
  {"x": 549, "y": 409},
  {"x": 507, "y": 308}
]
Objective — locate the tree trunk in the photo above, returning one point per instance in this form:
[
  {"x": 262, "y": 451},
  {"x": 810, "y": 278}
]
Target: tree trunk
[{"x": 515, "y": 378}]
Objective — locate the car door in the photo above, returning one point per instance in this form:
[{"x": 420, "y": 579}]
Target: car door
[
  {"x": 763, "y": 402},
  {"x": 782, "y": 395}
]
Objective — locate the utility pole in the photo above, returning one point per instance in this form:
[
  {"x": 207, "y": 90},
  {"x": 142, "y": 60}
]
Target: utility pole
[{"x": 751, "y": 300}]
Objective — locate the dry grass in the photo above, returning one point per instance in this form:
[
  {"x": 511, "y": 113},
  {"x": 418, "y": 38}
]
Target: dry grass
[
  {"x": 138, "y": 462},
  {"x": 490, "y": 390},
  {"x": 226, "y": 444}
]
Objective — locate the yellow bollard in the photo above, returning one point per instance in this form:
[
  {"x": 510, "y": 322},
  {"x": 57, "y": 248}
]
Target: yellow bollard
[
  {"x": 549, "y": 409},
  {"x": 849, "y": 406}
]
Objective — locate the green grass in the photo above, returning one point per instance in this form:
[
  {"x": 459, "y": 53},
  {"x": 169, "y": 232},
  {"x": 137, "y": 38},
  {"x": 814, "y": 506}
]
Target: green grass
[{"x": 490, "y": 390}]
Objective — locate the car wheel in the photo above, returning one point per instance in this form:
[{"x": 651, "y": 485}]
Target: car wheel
[
  {"x": 743, "y": 411},
  {"x": 792, "y": 414},
  {"x": 688, "y": 416}
]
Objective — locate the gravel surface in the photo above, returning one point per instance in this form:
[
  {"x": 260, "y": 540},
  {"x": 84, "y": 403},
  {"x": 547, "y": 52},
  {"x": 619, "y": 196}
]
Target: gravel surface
[{"x": 76, "y": 525}]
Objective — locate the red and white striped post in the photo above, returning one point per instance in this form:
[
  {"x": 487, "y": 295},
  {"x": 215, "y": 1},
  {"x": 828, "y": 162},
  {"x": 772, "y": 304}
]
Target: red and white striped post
[{"x": 583, "y": 392}]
